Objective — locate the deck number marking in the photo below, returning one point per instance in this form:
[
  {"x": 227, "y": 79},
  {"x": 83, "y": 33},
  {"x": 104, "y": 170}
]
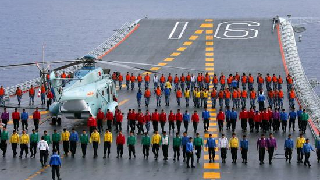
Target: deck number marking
[
  {"x": 237, "y": 30},
  {"x": 178, "y": 30}
]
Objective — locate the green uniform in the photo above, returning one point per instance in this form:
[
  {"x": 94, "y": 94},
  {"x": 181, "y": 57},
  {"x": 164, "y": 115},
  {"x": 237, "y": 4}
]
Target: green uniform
[
  {"x": 304, "y": 117},
  {"x": 198, "y": 141},
  {"x": 84, "y": 139},
  {"x": 47, "y": 138},
  {"x": 56, "y": 137},
  {"x": 131, "y": 140},
  {"x": 34, "y": 138},
  {"x": 146, "y": 140},
  {"x": 176, "y": 141},
  {"x": 4, "y": 136}
]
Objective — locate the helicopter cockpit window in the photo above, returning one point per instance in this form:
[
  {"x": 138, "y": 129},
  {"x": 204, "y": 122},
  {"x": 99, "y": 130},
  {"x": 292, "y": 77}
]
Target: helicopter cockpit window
[
  {"x": 102, "y": 93},
  {"x": 107, "y": 93}
]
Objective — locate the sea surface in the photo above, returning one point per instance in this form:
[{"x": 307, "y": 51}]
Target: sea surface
[{"x": 71, "y": 28}]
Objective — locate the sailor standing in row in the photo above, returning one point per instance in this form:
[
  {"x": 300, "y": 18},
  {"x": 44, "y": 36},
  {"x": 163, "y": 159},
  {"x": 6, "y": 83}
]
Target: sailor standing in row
[
  {"x": 223, "y": 145},
  {"x": 44, "y": 151}
]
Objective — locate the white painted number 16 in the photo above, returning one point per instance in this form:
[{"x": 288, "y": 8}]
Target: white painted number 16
[{"x": 237, "y": 30}]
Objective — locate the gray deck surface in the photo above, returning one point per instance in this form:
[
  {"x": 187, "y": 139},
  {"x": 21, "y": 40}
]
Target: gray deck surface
[{"x": 150, "y": 44}]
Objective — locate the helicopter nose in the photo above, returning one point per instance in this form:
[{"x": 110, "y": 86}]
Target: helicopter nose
[{"x": 75, "y": 105}]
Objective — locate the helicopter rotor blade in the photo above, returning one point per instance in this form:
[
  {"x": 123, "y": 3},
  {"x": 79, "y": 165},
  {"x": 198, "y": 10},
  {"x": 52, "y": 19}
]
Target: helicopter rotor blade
[
  {"x": 120, "y": 63},
  {"x": 125, "y": 66},
  {"x": 35, "y": 63}
]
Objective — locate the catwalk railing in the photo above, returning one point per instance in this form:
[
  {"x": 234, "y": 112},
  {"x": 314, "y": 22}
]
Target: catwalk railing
[
  {"x": 99, "y": 51},
  {"x": 305, "y": 94}
]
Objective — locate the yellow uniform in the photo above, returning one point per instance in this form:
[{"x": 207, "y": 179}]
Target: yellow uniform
[
  {"x": 234, "y": 142},
  {"x": 198, "y": 94},
  {"x": 24, "y": 139},
  {"x": 168, "y": 85},
  {"x": 156, "y": 139},
  {"x": 95, "y": 136},
  {"x": 205, "y": 94},
  {"x": 14, "y": 138},
  {"x": 187, "y": 94},
  {"x": 65, "y": 136},
  {"x": 108, "y": 137},
  {"x": 300, "y": 142}
]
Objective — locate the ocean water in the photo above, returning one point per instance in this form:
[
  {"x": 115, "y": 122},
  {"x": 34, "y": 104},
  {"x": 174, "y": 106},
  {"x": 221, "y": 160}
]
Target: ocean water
[{"x": 69, "y": 29}]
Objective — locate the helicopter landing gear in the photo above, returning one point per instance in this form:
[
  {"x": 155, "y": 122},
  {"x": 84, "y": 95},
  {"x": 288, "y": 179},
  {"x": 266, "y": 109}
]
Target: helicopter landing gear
[{"x": 55, "y": 121}]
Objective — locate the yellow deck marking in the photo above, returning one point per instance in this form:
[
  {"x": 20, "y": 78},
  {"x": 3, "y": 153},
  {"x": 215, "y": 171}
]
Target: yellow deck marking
[
  {"x": 123, "y": 102},
  {"x": 168, "y": 59},
  {"x": 209, "y": 37},
  {"x": 205, "y": 149},
  {"x": 206, "y": 25},
  {"x": 175, "y": 54},
  {"x": 213, "y": 114},
  {"x": 209, "y": 43},
  {"x": 181, "y": 49},
  {"x": 209, "y": 31},
  {"x": 198, "y": 31},
  {"x": 212, "y": 124},
  {"x": 211, "y": 166},
  {"x": 155, "y": 68},
  {"x": 209, "y": 54},
  {"x": 212, "y": 129},
  {"x": 208, "y": 20},
  {"x": 123, "y": 85},
  {"x": 209, "y": 49},
  {"x": 209, "y": 59},
  {"x": 213, "y": 118},
  {"x": 187, "y": 43},
  {"x": 211, "y": 175},
  {"x": 209, "y": 64},
  {"x": 209, "y": 69},
  {"x": 211, "y": 73},
  {"x": 211, "y": 110},
  {"x": 162, "y": 64},
  {"x": 206, "y": 157},
  {"x": 193, "y": 37},
  {"x": 213, "y": 135}
]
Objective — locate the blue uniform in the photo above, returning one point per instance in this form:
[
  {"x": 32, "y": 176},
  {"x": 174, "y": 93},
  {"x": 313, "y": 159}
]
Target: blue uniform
[
  {"x": 211, "y": 143},
  {"x": 186, "y": 117},
  {"x": 189, "y": 147},
  {"x": 74, "y": 136},
  {"x": 261, "y": 98},
  {"x": 233, "y": 115},
  {"x": 307, "y": 148},
  {"x": 205, "y": 115},
  {"x": 24, "y": 116},
  {"x": 244, "y": 144},
  {"x": 283, "y": 116},
  {"x": 288, "y": 143},
  {"x": 55, "y": 160},
  {"x": 292, "y": 115},
  {"x": 184, "y": 140}
]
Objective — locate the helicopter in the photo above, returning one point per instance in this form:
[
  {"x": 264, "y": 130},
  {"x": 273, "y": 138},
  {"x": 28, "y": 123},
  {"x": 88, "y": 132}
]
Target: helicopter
[{"x": 82, "y": 95}]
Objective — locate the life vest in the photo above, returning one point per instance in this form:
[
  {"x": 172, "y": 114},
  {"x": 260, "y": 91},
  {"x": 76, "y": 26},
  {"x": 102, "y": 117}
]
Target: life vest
[
  {"x": 228, "y": 94},
  {"x": 179, "y": 94},
  {"x": 280, "y": 81},
  {"x": 176, "y": 80},
  {"x": 147, "y": 93},
  {"x": 251, "y": 80},
  {"x": 162, "y": 79},
  {"x": 132, "y": 78},
  {"x": 260, "y": 80},
  {"x": 182, "y": 79},
  {"x": 120, "y": 77},
  {"x": 170, "y": 79},
  {"x": 244, "y": 94},
  {"x": 158, "y": 92},
  {"x": 221, "y": 95},
  {"x": 127, "y": 77},
  {"x": 139, "y": 78},
  {"x": 280, "y": 94},
  {"x": 253, "y": 94},
  {"x": 215, "y": 80},
  {"x": 292, "y": 94},
  {"x": 213, "y": 93},
  {"x": 147, "y": 78},
  {"x": 1, "y": 91},
  {"x": 244, "y": 79},
  {"x": 229, "y": 80},
  {"x": 222, "y": 79},
  {"x": 268, "y": 79},
  {"x": 274, "y": 79}
]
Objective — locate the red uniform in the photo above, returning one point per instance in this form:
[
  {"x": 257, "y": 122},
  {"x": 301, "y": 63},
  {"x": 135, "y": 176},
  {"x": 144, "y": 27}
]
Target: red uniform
[
  {"x": 195, "y": 117},
  {"x": 220, "y": 116},
  {"x": 179, "y": 117},
  {"x": 147, "y": 117},
  {"x": 92, "y": 122},
  {"x": 36, "y": 115},
  {"x": 172, "y": 117},
  {"x": 257, "y": 117},
  {"x": 16, "y": 115},
  {"x": 163, "y": 117},
  {"x": 119, "y": 117},
  {"x": 140, "y": 118},
  {"x": 109, "y": 116},
  {"x": 155, "y": 116},
  {"x": 100, "y": 115},
  {"x": 243, "y": 115},
  {"x": 121, "y": 139}
]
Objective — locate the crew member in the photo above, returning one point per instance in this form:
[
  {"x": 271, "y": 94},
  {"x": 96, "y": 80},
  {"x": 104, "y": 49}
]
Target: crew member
[
  {"x": 244, "y": 146},
  {"x": 95, "y": 140},
  {"x": 176, "y": 147},
  {"x": 234, "y": 146},
  {"x": 34, "y": 139},
  {"x": 31, "y": 95},
  {"x": 299, "y": 145},
  {"x": 74, "y": 138},
  {"x": 307, "y": 148},
  {"x": 56, "y": 138},
  {"x": 84, "y": 140},
  {"x": 36, "y": 119},
  {"x": 120, "y": 141},
  {"x": 44, "y": 151},
  {"x": 55, "y": 163},
  {"x": 16, "y": 119},
  {"x": 165, "y": 145},
  {"x": 186, "y": 120},
  {"x": 261, "y": 147},
  {"x": 145, "y": 142},
  {"x": 272, "y": 146},
  {"x": 107, "y": 143},
  {"x": 195, "y": 119},
  {"x": 24, "y": 119},
  {"x": 211, "y": 145},
  {"x": 65, "y": 137},
  {"x": 189, "y": 152},
  {"x": 198, "y": 144},
  {"x": 155, "y": 142},
  {"x": 19, "y": 95},
  {"x": 288, "y": 146},
  {"x": 24, "y": 141},
  {"x": 14, "y": 140},
  {"x": 223, "y": 145},
  {"x": 91, "y": 123},
  {"x": 100, "y": 117}
]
